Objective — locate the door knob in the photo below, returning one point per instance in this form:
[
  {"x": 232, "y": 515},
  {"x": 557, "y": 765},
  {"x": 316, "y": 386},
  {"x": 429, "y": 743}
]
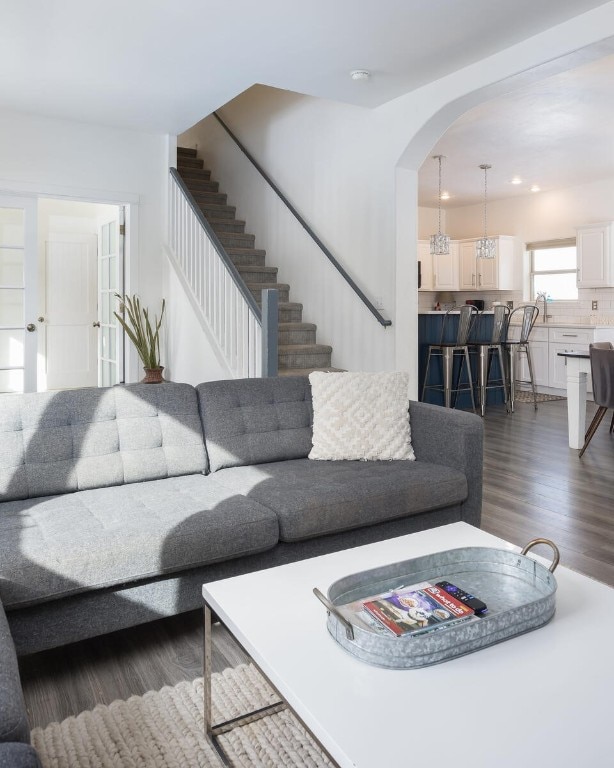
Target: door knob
[
  {"x": 96, "y": 324},
  {"x": 41, "y": 319},
  {"x": 30, "y": 327}
]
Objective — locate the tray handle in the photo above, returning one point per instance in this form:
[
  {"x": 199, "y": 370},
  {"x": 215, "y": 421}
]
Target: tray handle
[
  {"x": 349, "y": 629},
  {"x": 555, "y": 550}
]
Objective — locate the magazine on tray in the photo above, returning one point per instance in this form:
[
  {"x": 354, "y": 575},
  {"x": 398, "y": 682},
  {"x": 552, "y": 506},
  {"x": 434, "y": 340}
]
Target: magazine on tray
[{"x": 409, "y": 610}]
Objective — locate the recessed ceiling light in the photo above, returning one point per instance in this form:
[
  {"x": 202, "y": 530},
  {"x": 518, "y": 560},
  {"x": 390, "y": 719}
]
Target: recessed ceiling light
[
  {"x": 360, "y": 74},
  {"x": 445, "y": 195},
  {"x": 516, "y": 180},
  {"x": 535, "y": 188}
]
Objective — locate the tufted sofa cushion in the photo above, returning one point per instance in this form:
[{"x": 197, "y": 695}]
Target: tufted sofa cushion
[
  {"x": 254, "y": 421},
  {"x": 55, "y": 546},
  {"x": 58, "y": 442}
]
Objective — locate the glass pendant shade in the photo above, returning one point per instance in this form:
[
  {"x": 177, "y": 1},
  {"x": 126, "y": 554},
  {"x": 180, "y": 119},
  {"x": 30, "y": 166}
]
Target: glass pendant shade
[
  {"x": 485, "y": 247},
  {"x": 440, "y": 244}
]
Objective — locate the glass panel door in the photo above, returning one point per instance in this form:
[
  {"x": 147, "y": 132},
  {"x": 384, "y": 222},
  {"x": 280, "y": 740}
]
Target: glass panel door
[
  {"x": 18, "y": 297},
  {"x": 110, "y": 283}
]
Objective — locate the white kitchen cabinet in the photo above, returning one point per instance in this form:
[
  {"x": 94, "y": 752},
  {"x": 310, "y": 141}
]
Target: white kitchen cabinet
[
  {"x": 595, "y": 249},
  {"x": 426, "y": 265},
  {"x": 445, "y": 270},
  {"x": 467, "y": 265},
  {"x": 499, "y": 274}
]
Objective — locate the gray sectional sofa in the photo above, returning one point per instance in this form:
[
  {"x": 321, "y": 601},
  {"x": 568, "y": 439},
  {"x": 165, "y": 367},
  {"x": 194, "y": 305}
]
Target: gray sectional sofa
[{"x": 117, "y": 504}]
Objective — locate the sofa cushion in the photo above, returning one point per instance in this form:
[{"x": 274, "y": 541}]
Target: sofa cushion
[
  {"x": 13, "y": 719},
  {"x": 60, "y": 545},
  {"x": 56, "y": 442},
  {"x": 360, "y": 416},
  {"x": 253, "y": 421},
  {"x": 16, "y": 754},
  {"x": 312, "y": 498}
]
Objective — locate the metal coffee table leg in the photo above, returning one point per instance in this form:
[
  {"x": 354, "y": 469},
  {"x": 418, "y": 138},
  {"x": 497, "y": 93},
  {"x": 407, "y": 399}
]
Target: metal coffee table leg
[{"x": 213, "y": 731}]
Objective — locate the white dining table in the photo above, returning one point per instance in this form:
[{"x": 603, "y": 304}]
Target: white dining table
[{"x": 578, "y": 366}]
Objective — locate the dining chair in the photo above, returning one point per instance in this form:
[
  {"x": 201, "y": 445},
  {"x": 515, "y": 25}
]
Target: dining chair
[
  {"x": 489, "y": 345},
  {"x": 515, "y": 348},
  {"x": 447, "y": 351},
  {"x": 601, "y": 355}
]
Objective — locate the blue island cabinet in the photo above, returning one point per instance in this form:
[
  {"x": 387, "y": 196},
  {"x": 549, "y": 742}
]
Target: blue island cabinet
[{"x": 429, "y": 332}]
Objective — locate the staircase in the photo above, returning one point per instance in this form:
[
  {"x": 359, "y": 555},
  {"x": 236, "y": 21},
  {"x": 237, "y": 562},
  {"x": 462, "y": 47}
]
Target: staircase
[{"x": 298, "y": 352}]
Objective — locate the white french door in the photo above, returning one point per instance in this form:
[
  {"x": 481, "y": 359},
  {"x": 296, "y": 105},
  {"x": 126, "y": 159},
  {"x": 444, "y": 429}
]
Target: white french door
[
  {"x": 110, "y": 283},
  {"x": 18, "y": 294}
]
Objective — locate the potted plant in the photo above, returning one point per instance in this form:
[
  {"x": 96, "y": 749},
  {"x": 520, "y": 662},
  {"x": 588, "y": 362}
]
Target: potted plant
[{"x": 134, "y": 319}]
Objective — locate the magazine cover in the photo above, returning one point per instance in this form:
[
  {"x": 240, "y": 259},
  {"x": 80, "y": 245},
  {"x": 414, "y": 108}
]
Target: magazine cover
[
  {"x": 356, "y": 613},
  {"x": 416, "y": 610}
]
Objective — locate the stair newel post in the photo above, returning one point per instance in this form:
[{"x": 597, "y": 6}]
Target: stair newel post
[{"x": 270, "y": 319}]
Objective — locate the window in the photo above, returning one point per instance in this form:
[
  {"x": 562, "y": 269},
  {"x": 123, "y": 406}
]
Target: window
[{"x": 554, "y": 267}]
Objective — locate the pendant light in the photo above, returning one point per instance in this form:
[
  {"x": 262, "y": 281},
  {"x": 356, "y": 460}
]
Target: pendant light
[
  {"x": 485, "y": 246},
  {"x": 440, "y": 244}
]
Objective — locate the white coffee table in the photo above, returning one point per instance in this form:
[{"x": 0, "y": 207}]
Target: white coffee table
[{"x": 540, "y": 699}]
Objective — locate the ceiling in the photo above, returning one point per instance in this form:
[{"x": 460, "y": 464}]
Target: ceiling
[
  {"x": 161, "y": 66},
  {"x": 555, "y": 133}
]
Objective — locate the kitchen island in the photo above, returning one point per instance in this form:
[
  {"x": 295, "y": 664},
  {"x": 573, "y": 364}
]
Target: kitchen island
[{"x": 430, "y": 326}]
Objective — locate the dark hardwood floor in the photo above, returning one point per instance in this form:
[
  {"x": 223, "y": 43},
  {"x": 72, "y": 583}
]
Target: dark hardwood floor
[{"x": 534, "y": 486}]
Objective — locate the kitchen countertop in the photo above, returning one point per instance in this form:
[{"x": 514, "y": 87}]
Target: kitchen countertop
[{"x": 538, "y": 324}]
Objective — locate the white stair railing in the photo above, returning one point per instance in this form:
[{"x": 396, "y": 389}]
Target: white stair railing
[{"x": 246, "y": 336}]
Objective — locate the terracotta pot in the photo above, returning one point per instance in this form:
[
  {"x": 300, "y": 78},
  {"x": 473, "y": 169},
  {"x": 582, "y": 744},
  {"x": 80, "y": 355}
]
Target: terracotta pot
[{"x": 153, "y": 375}]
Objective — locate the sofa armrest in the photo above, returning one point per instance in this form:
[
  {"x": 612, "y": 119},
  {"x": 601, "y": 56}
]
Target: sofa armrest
[
  {"x": 454, "y": 439},
  {"x": 13, "y": 719},
  {"x": 16, "y": 754}
]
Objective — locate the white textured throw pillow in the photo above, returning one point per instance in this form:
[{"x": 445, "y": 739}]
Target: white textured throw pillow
[{"x": 360, "y": 416}]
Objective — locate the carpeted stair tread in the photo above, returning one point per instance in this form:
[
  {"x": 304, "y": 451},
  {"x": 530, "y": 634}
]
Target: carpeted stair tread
[
  {"x": 189, "y": 162},
  {"x": 296, "y": 333},
  {"x": 304, "y": 348},
  {"x": 227, "y": 225},
  {"x": 205, "y": 185},
  {"x": 257, "y": 288},
  {"x": 218, "y": 211},
  {"x": 251, "y": 272},
  {"x": 204, "y": 196},
  {"x": 297, "y": 326},
  {"x": 234, "y": 239},
  {"x": 193, "y": 173},
  {"x": 290, "y": 311}
]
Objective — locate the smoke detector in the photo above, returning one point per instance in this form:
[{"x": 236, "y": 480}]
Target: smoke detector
[{"x": 360, "y": 74}]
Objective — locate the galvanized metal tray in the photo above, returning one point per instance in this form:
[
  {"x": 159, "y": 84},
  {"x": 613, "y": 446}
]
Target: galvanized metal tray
[{"x": 518, "y": 590}]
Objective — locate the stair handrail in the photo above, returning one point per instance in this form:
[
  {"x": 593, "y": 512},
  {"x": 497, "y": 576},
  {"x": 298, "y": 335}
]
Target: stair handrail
[
  {"x": 365, "y": 300},
  {"x": 234, "y": 272}
]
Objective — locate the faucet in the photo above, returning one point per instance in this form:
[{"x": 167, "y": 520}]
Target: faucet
[{"x": 543, "y": 295}]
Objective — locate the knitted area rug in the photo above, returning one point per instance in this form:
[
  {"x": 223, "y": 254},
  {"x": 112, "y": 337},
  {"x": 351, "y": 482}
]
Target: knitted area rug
[
  {"x": 164, "y": 729},
  {"x": 524, "y": 396}
]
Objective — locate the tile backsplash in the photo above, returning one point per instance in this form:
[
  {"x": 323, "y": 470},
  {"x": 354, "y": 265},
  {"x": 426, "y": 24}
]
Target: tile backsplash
[{"x": 579, "y": 311}]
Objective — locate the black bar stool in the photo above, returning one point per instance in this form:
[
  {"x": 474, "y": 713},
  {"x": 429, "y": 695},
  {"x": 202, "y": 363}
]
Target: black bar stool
[
  {"x": 447, "y": 350},
  {"x": 516, "y": 348},
  {"x": 487, "y": 348}
]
